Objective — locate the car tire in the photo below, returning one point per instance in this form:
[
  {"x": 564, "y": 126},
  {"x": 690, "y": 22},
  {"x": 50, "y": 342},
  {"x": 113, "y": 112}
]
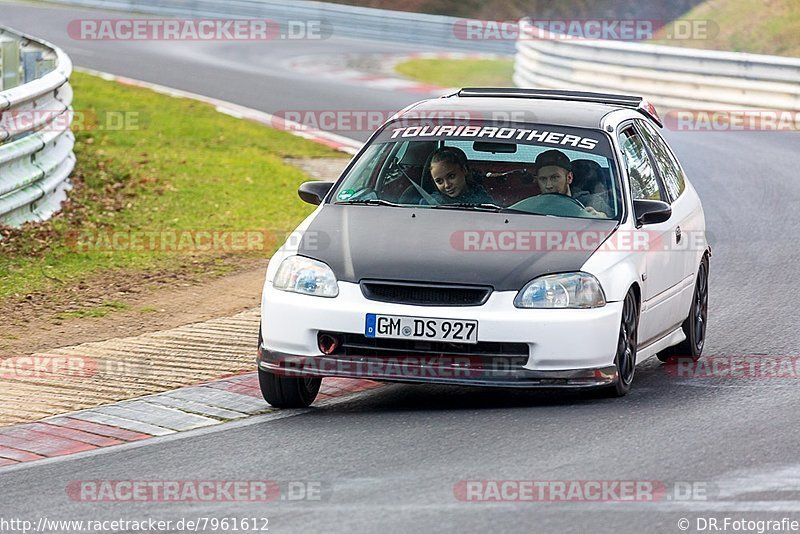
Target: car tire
[
  {"x": 625, "y": 358},
  {"x": 694, "y": 327},
  {"x": 288, "y": 391}
]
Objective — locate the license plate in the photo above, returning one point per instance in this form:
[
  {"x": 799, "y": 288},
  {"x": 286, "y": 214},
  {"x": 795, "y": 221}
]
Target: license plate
[{"x": 427, "y": 328}]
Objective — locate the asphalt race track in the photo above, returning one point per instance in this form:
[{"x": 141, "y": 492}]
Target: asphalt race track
[{"x": 392, "y": 459}]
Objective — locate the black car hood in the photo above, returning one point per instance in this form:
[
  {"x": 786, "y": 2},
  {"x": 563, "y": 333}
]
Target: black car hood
[{"x": 428, "y": 245}]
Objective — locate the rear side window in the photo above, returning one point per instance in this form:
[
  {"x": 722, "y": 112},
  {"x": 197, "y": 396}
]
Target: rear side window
[
  {"x": 668, "y": 166},
  {"x": 644, "y": 185}
]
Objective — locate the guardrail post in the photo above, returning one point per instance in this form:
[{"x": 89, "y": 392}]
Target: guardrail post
[
  {"x": 9, "y": 63},
  {"x": 30, "y": 57}
]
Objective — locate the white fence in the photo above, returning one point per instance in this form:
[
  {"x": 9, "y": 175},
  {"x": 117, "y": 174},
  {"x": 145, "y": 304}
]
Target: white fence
[
  {"x": 682, "y": 78},
  {"x": 36, "y": 143}
]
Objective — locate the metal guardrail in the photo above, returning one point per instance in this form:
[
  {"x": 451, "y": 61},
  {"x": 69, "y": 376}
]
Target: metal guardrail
[
  {"x": 681, "y": 78},
  {"x": 343, "y": 20},
  {"x": 36, "y": 143}
]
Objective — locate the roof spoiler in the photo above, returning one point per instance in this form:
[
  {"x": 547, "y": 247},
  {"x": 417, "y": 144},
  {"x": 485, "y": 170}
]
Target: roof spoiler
[{"x": 634, "y": 102}]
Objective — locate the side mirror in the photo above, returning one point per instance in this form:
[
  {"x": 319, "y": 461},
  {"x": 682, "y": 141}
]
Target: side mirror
[
  {"x": 314, "y": 192},
  {"x": 651, "y": 211}
]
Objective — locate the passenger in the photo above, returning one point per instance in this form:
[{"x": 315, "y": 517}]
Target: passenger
[
  {"x": 554, "y": 174},
  {"x": 588, "y": 176},
  {"x": 454, "y": 185},
  {"x": 588, "y": 184}
]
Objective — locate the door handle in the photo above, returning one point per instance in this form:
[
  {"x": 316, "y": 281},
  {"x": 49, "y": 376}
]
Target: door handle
[{"x": 678, "y": 234}]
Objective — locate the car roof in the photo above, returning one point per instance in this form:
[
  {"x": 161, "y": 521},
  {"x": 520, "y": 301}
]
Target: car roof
[{"x": 565, "y": 108}]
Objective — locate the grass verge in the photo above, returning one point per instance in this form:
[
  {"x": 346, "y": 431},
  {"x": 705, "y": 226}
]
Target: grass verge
[
  {"x": 460, "y": 72},
  {"x": 753, "y": 26},
  {"x": 169, "y": 166}
]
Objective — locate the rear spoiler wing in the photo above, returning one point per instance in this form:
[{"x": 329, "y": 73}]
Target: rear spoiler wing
[{"x": 637, "y": 103}]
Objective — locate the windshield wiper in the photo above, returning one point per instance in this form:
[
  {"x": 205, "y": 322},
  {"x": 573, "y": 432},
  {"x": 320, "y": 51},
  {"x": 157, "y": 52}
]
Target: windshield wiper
[
  {"x": 515, "y": 210},
  {"x": 370, "y": 202},
  {"x": 483, "y": 207},
  {"x": 457, "y": 206},
  {"x": 470, "y": 205}
]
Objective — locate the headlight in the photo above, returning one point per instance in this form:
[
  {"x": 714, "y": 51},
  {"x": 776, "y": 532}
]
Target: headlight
[
  {"x": 304, "y": 275},
  {"x": 570, "y": 290}
]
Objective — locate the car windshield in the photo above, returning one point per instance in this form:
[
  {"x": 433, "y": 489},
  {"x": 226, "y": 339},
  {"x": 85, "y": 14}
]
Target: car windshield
[{"x": 517, "y": 168}]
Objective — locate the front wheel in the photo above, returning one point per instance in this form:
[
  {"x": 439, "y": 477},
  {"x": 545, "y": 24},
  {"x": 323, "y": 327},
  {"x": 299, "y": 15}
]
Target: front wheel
[
  {"x": 287, "y": 391},
  {"x": 625, "y": 358},
  {"x": 694, "y": 327}
]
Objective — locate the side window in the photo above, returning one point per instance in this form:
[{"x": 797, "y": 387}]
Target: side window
[
  {"x": 644, "y": 184},
  {"x": 668, "y": 166}
]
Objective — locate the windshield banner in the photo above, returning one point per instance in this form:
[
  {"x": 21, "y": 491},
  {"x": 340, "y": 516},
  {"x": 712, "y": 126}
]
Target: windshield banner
[{"x": 572, "y": 138}]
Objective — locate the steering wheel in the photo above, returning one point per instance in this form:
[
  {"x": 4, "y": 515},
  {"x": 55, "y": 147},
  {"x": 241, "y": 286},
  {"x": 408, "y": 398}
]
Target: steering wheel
[
  {"x": 552, "y": 204},
  {"x": 395, "y": 169}
]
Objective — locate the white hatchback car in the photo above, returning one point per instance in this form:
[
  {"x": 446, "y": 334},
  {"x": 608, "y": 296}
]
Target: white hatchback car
[{"x": 493, "y": 237}]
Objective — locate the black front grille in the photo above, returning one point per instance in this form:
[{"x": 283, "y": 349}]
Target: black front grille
[
  {"x": 422, "y": 294},
  {"x": 360, "y": 345}
]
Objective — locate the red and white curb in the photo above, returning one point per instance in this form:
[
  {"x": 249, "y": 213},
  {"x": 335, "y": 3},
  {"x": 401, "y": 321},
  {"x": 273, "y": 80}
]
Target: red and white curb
[
  {"x": 336, "y": 67},
  {"x": 385, "y": 77},
  {"x": 183, "y": 409},
  {"x": 334, "y": 141}
]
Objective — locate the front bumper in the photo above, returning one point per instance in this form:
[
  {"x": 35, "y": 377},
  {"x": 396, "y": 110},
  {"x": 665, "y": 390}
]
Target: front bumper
[
  {"x": 562, "y": 348},
  {"x": 412, "y": 369}
]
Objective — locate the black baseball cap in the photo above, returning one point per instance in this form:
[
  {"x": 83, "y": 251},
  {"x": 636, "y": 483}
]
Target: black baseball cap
[{"x": 552, "y": 157}]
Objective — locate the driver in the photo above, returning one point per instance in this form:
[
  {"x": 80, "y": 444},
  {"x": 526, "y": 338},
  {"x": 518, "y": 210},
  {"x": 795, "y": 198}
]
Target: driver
[{"x": 553, "y": 171}]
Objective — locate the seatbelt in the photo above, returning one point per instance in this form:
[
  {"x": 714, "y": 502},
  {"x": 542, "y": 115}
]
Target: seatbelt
[{"x": 427, "y": 196}]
